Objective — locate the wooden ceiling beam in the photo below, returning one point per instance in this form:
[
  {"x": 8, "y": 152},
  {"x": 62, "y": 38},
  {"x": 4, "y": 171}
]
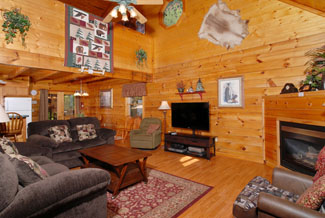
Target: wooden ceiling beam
[
  {"x": 17, "y": 72},
  {"x": 44, "y": 76},
  {"x": 304, "y": 7},
  {"x": 67, "y": 78},
  {"x": 40, "y": 61}
]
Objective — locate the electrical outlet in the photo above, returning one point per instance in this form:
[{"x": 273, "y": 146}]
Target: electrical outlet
[{"x": 301, "y": 94}]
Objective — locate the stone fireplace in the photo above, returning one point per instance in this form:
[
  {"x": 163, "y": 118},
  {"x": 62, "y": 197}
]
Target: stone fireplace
[{"x": 300, "y": 145}]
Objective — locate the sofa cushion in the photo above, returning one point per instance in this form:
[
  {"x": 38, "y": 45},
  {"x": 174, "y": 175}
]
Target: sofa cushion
[
  {"x": 152, "y": 128},
  {"x": 41, "y": 127},
  {"x": 314, "y": 196},
  {"x": 8, "y": 181},
  {"x": 91, "y": 142},
  {"x": 28, "y": 170},
  {"x": 86, "y": 131},
  {"x": 54, "y": 168},
  {"x": 60, "y": 133},
  {"x": 83, "y": 120},
  {"x": 8, "y": 146},
  {"x": 67, "y": 146}
]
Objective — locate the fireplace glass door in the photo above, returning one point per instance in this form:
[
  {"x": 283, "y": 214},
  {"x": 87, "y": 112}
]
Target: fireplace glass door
[{"x": 300, "y": 145}]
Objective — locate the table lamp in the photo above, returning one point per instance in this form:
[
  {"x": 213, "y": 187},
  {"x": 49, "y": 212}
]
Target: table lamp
[{"x": 164, "y": 107}]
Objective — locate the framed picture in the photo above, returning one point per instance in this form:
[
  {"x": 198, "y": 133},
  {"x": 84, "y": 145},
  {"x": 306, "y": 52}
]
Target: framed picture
[
  {"x": 106, "y": 98},
  {"x": 231, "y": 92}
]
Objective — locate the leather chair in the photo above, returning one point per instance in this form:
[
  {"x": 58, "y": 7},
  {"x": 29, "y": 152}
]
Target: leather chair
[
  {"x": 139, "y": 137},
  {"x": 269, "y": 205}
]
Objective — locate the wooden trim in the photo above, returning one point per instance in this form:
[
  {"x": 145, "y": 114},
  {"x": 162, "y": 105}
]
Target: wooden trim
[
  {"x": 304, "y": 7},
  {"x": 312, "y": 133}
]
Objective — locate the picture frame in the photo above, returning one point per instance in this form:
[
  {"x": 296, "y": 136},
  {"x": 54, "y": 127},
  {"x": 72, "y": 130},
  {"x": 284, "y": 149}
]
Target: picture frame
[
  {"x": 231, "y": 92},
  {"x": 106, "y": 98}
]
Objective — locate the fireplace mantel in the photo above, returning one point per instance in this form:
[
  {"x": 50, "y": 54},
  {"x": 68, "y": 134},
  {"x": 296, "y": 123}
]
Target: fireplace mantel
[{"x": 307, "y": 109}]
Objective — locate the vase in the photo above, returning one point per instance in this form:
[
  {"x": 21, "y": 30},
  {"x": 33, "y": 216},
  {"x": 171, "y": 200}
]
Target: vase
[{"x": 180, "y": 90}]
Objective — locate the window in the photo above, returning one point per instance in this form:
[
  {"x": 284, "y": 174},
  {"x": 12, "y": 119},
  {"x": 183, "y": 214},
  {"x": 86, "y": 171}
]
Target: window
[
  {"x": 135, "y": 106},
  {"x": 52, "y": 105},
  {"x": 106, "y": 98},
  {"x": 69, "y": 105}
]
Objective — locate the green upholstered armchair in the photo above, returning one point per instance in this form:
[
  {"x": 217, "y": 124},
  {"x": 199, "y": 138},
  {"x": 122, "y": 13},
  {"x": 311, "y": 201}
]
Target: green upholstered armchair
[{"x": 142, "y": 138}]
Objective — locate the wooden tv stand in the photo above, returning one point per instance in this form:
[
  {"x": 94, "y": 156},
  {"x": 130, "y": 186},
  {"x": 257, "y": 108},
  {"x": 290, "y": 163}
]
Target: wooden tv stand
[{"x": 195, "y": 141}]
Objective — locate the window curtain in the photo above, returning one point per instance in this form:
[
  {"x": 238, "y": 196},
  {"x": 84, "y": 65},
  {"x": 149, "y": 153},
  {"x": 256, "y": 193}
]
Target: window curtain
[
  {"x": 134, "y": 90},
  {"x": 43, "y": 106}
]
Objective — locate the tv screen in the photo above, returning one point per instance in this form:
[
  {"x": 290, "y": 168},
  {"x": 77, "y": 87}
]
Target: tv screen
[{"x": 193, "y": 115}]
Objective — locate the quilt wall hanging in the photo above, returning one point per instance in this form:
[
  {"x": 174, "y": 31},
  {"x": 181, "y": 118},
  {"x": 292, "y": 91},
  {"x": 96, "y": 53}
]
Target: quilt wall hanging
[{"x": 89, "y": 42}]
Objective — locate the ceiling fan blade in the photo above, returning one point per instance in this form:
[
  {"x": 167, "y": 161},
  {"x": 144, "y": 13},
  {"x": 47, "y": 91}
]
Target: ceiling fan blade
[
  {"x": 149, "y": 2},
  {"x": 139, "y": 16}
]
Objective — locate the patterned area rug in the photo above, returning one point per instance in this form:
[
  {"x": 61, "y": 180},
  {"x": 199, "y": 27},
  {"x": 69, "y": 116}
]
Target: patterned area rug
[{"x": 163, "y": 196}]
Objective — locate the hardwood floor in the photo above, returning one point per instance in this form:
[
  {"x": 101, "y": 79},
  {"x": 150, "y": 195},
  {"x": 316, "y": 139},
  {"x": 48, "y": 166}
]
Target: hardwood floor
[{"x": 227, "y": 176}]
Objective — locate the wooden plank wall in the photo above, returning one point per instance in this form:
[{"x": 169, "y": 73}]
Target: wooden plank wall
[
  {"x": 272, "y": 55},
  {"x": 45, "y": 42},
  {"x": 289, "y": 107}
]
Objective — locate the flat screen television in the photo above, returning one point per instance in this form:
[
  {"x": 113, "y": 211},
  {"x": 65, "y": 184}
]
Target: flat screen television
[{"x": 193, "y": 115}]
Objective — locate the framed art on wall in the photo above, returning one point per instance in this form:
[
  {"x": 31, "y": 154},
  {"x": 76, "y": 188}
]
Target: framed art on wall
[
  {"x": 231, "y": 92},
  {"x": 106, "y": 98}
]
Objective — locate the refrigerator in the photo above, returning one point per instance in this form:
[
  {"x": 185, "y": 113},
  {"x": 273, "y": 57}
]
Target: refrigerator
[{"x": 20, "y": 105}]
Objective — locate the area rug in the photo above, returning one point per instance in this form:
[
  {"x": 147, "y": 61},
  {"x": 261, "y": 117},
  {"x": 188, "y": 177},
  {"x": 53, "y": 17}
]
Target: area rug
[{"x": 164, "y": 195}]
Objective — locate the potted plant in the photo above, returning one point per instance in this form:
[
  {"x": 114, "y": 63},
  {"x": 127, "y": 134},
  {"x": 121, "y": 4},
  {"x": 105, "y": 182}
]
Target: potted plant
[
  {"x": 180, "y": 86},
  {"x": 141, "y": 56},
  {"x": 15, "y": 22},
  {"x": 315, "y": 72}
]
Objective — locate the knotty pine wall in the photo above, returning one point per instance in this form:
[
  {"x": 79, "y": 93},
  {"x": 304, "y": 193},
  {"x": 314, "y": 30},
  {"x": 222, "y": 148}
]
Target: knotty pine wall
[
  {"x": 271, "y": 55},
  {"x": 45, "y": 41}
]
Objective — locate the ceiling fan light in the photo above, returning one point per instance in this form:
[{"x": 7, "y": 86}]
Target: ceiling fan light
[
  {"x": 125, "y": 17},
  {"x": 122, "y": 9},
  {"x": 132, "y": 13},
  {"x": 114, "y": 13}
]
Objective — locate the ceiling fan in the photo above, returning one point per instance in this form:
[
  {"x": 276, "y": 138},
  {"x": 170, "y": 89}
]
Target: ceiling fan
[{"x": 125, "y": 6}]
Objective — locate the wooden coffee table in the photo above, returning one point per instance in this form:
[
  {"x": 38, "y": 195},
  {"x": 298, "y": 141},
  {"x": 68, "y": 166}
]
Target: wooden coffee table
[{"x": 124, "y": 164}]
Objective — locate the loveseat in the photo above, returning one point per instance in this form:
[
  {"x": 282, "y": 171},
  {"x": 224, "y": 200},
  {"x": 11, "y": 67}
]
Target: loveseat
[
  {"x": 64, "y": 193},
  {"x": 66, "y": 152}
]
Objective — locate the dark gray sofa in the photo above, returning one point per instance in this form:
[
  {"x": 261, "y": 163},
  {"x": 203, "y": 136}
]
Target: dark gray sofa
[
  {"x": 67, "y": 153},
  {"x": 74, "y": 193}
]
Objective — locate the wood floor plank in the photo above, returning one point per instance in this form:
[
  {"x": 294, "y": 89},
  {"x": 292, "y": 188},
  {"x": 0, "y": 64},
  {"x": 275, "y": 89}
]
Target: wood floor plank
[{"x": 227, "y": 176}]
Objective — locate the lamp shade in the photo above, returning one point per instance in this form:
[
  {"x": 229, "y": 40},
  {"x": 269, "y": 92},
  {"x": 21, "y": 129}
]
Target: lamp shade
[
  {"x": 3, "y": 115},
  {"x": 164, "y": 106}
]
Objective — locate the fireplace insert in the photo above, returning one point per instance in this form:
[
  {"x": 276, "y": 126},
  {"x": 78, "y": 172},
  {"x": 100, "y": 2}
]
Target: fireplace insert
[{"x": 300, "y": 145}]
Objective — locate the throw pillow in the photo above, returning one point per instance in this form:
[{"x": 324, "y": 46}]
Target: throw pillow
[
  {"x": 8, "y": 146},
  {"x": 28, "y": 171},
  {"x": 320, "y": 165},
  {"x": 86, "y": 131},
  {"x": 314, "y": 196},
  {"x": 152, "y": 128},
  {"x": 60, "y": 134}
]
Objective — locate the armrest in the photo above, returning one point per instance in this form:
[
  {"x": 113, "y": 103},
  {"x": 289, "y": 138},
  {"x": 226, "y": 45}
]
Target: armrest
[
  {"x": 279, "y": 207},
  {"x": 56, "y": 192},
  {"x": 135, "y": 131},
  {"x": 291, "y": 181},
  {"x": 42, "y": 141},
  {"x": 105, "y": 134},
  {"x": 29, "y": 149}
]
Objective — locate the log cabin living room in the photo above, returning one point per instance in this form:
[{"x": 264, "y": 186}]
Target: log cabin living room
[{"x": 162, "y": 108}]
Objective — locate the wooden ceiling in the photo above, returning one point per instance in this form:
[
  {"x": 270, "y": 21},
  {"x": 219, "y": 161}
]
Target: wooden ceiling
[{"x": 102, "y": 8}]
